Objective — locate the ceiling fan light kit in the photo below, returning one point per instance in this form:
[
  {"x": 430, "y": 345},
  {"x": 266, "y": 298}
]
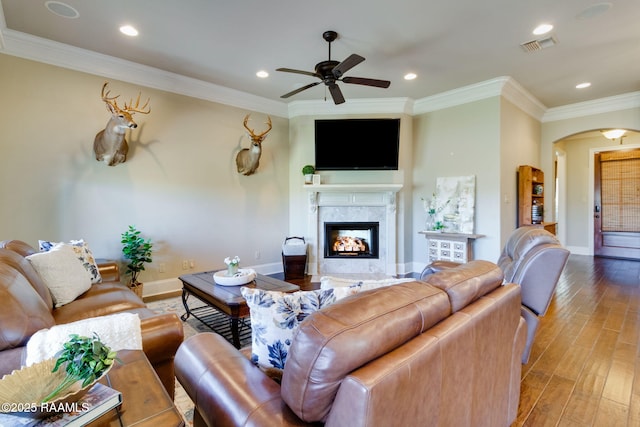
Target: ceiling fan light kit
[{"x": 330, "y": 72}]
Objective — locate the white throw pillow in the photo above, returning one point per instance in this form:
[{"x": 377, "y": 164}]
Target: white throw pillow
[
  {"x": 60, "y": 270},
  {"x": 83, "y": 253},
  {"x": 327, "y": 282},
  {"x": 118, "y": 331}
]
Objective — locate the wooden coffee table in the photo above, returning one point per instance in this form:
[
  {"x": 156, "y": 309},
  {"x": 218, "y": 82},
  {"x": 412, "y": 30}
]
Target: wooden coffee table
[
  {"x": 225, "y": 299},
  {"x": 145, "y": 402}
]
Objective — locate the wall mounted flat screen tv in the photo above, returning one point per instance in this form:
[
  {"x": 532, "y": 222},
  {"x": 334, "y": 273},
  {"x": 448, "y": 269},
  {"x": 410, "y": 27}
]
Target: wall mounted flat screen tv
[{"x": 357, "y": 144}]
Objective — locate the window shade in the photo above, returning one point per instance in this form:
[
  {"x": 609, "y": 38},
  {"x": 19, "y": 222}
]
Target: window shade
[{"x": 620, "y": 190}]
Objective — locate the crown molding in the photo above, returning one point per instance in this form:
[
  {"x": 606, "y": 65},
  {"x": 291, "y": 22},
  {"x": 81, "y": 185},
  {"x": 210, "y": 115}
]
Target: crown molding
[
  {"x": 598, "y": 106},
  {"x": 459, "y": 96},
  {"x": 522, "y": 98},
  {"x": 62, "y": 55},
  {"x": 38, "y": 49},
  {"x": 351, "y": 106}
]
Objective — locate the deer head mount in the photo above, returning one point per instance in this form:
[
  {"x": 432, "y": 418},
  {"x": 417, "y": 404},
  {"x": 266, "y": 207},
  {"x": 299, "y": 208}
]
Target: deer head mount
[
  {"x": 110, "y": 145},
  {"x": 248, "y": 159}
]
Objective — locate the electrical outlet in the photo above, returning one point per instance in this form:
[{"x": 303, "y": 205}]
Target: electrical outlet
[
  {"x": 162, "y": 268},
  {"x": 192, "y": 264},
  {"x": 257, "y": 254},
  {"x": 185, "y": 264}
]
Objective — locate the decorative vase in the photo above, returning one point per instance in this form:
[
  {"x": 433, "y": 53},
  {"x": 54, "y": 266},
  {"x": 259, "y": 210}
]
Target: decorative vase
[
  {"x": 430, "y": 224},
  {"x": 232, "y": 270},
  {"x": 308, "y": 179}
]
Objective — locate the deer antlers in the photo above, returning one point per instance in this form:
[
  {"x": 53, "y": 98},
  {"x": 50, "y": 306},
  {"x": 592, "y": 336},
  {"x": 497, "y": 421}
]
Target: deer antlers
[
  {"x": 257, "y": 137},
  {"x": 129, "y": 108}
]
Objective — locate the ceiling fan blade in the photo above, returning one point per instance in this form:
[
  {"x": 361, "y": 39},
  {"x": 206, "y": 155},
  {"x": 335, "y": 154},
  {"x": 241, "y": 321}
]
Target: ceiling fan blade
[
  {"x": 367, "y": 82},
  {"x": 293, "y": 92},
  {"x": 306, "y": 73},
  {"x": 336, "y": 94},
  {"x": 346, "y": 65}
]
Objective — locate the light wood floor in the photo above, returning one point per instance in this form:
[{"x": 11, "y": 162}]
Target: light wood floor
[{"x": 584, "y": 368}]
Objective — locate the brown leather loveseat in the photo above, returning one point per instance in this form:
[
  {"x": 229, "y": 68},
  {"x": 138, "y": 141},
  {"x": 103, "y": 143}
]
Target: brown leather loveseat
[
  {"x": 441, "y": 352},
  {"x": 27, "y": 307}
]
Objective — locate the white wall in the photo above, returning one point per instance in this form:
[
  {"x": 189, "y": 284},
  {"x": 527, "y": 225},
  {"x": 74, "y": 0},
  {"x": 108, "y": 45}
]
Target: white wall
[
  {"x": 520, "y": 145},
  {"x": 179, "y": 185},
  {"x": 459, "y": 141}
]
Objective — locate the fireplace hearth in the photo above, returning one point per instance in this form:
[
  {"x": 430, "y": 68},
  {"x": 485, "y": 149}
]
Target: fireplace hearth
[{"x": 351, "y": 239}]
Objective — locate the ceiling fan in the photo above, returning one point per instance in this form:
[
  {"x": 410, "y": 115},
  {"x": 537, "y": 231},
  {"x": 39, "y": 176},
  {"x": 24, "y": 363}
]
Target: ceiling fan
[{"x": 330, "y": 72}]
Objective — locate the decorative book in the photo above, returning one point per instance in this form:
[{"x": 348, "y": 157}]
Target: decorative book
[{"x": 99, "y": 400}]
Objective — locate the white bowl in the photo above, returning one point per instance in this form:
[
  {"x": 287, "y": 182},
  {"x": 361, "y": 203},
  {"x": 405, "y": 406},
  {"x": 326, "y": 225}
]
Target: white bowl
[{"x": 242, "y": 277}]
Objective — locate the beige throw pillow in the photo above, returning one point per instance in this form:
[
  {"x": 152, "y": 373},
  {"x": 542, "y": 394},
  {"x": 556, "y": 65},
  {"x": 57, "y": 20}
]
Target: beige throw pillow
[{"x": 63, "y": 274}]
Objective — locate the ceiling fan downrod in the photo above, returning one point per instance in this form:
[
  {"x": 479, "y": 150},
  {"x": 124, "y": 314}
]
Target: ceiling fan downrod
[{"x": 329, "y": 36}]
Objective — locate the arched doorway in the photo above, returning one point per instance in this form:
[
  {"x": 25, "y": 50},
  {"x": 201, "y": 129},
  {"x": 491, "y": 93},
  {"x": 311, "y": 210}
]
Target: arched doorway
[{"x": 575, "y": 202}]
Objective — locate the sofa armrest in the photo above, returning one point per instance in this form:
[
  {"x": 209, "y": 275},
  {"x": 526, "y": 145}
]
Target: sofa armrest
[
  {"x": 109, "y": 270},
  {"x": 227, "y": 388}
]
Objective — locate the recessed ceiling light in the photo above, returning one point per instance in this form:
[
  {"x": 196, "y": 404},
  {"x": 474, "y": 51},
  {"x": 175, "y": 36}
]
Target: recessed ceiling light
[
  {"x": 262, "y": 74},
  {"x": 542, "y": 29},
  {"x": 583, "y": 85},
  {"x": 128, "y": 30},
  {"x": 410, "y": 76},
  {"x": 62, "y": 9}
]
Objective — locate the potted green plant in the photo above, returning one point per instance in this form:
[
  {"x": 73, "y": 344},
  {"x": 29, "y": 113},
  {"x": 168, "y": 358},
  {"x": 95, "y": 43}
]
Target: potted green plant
[
  {"x": 308, "y": 171},
  {"x": 138, "y": 252}
]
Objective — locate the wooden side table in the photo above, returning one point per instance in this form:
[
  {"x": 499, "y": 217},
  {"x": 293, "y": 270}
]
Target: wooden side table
[
  {"x": 145, "y": 402},
  {"x": 456, "y": 247}
]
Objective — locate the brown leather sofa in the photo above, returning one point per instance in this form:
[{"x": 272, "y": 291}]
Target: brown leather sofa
[
  {"x": 28, "y": 307},
  {"x": 440, "y": 352}
]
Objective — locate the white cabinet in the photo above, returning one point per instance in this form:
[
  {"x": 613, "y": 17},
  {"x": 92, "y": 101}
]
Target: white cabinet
[{"x": 456, "y": 247}]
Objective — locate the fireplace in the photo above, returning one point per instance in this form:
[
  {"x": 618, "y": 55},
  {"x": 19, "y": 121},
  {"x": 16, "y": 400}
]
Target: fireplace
[{"x": 351, "y": 239}]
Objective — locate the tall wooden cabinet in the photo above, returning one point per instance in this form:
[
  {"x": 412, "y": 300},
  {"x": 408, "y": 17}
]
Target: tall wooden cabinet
[{"x": 531, "y": 189}]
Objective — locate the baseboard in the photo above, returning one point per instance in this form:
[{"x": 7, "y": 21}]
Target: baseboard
[
  {"x": 579, "y": 250},
  {"x": 153, "y": 290}
]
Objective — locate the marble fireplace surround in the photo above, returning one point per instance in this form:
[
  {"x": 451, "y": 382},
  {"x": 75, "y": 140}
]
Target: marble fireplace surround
[{"x": 352, "y": 203}]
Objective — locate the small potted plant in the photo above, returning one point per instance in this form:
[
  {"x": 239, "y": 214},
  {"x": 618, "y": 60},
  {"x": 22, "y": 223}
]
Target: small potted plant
[
  {"x": 138, "y": 251},
  {"x": 308, "y": 171}
]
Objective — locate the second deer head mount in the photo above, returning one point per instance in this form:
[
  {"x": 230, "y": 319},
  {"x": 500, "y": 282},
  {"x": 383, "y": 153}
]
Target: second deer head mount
[
  {"x": 248, "y": 159},
  {"x": 110, "y": 145}
]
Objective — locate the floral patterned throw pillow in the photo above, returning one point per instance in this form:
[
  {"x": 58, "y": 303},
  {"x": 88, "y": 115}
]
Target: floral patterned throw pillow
[
  {"x": 275, "y": 316},
  {"x": 83, "y": 253}
]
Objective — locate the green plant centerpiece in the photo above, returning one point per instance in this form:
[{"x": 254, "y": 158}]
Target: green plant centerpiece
[
  {"x": 308, "y": 171},
  {"x": 138, "y": 251},
  {"x": 85, "y": 359}
]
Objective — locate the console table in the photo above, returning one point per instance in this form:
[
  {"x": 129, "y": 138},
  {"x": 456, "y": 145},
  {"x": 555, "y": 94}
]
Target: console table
[{"x": 456, "y": 247}]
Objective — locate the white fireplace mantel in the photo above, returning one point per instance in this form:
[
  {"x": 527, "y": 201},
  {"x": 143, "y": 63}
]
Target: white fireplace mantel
[
  {"x": 350, "y": 188},
  {"x": 346, "y": 196}
]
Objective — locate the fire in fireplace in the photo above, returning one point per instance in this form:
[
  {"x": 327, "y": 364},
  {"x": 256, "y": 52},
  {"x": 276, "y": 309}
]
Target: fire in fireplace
[{"x": 351, "y": 239}]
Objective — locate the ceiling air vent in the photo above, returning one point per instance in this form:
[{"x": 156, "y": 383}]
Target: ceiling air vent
[{"x": 539, "y": 44}]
